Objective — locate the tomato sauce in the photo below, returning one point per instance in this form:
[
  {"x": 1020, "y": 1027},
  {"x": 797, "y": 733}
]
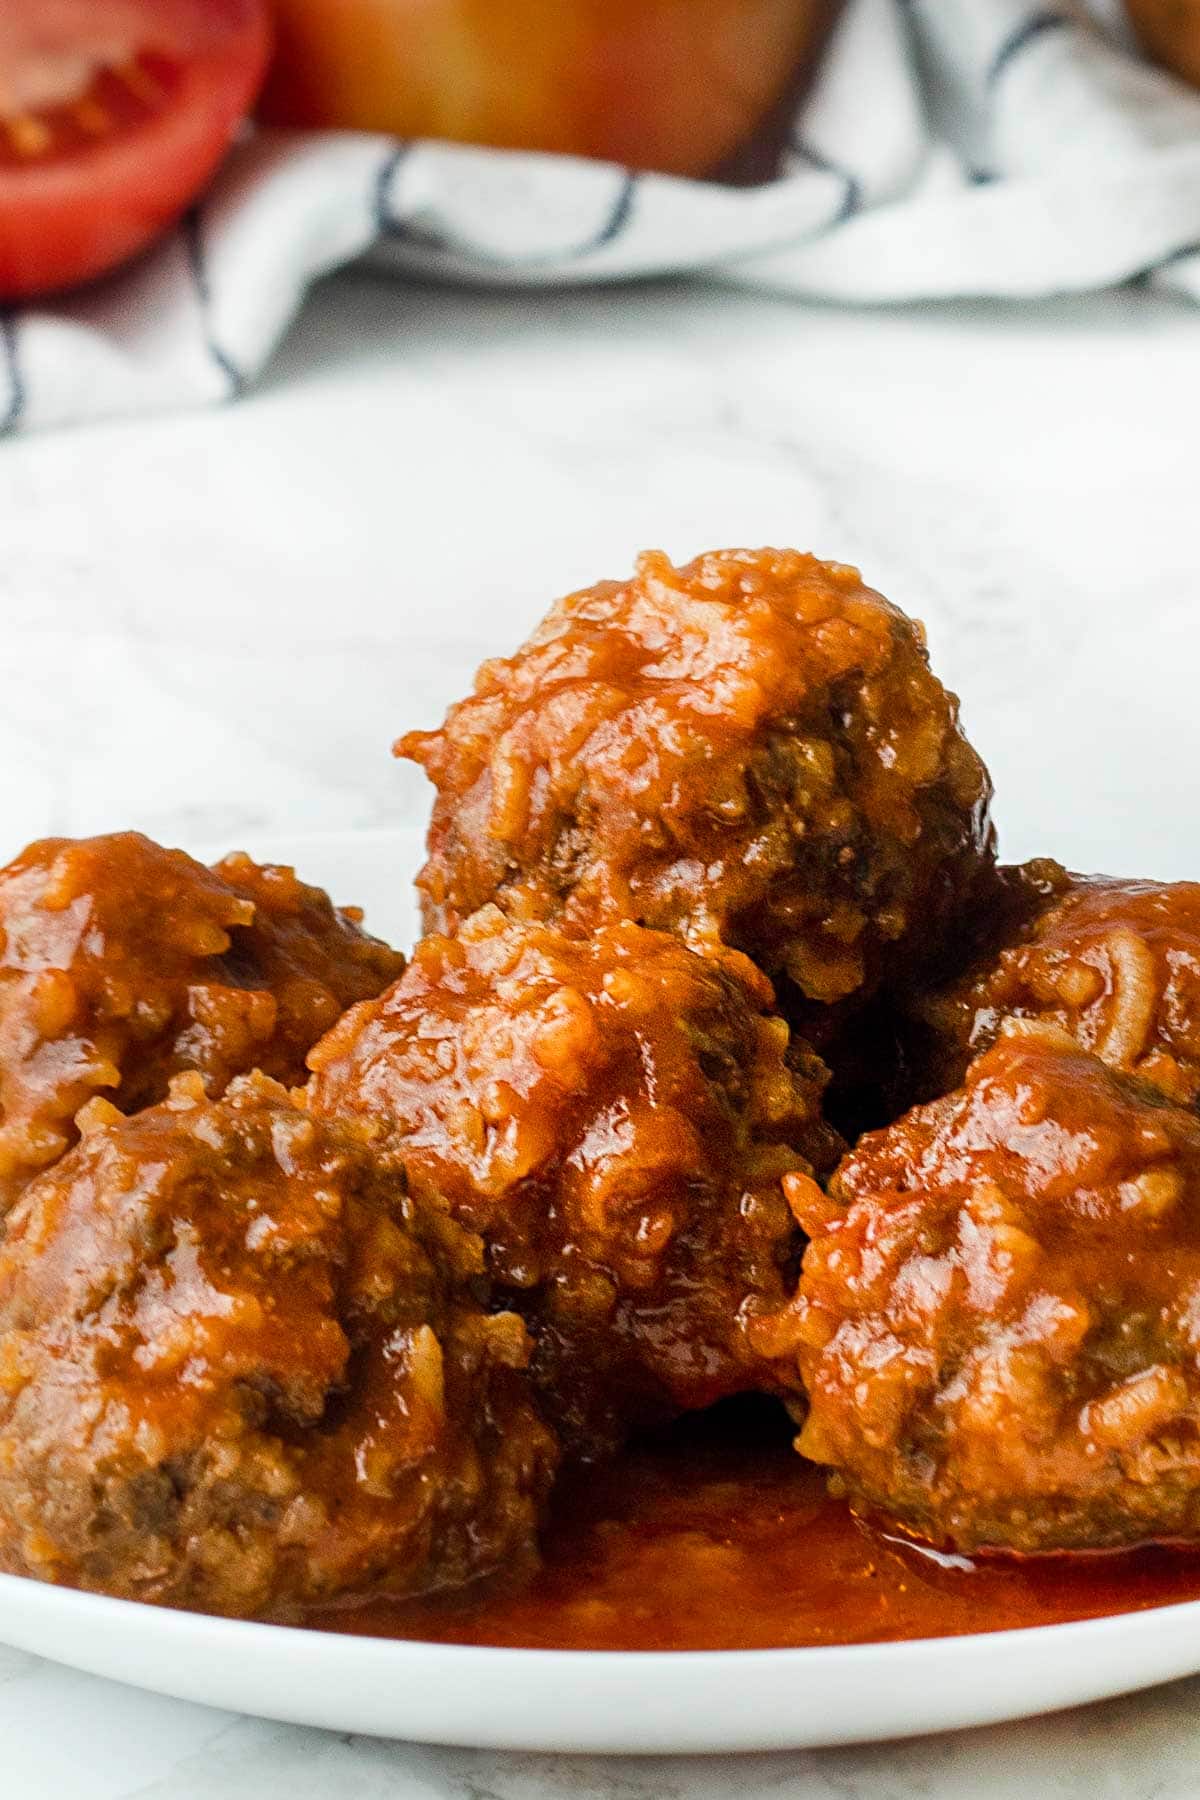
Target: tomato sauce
[{"x": 721, "y": 1538}]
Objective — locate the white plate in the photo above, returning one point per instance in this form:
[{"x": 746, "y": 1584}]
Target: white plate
[{"x": 583, "y": 1700}]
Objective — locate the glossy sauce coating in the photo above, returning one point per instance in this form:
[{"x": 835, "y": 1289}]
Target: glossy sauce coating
[
  {"x": 1115, "y": 964},
  {"x": 240, "y": 1365},
  {"x": 719, "y": 1543},
  {"x": 750, "y": 749},
  {"x": 613, "y": 1114},
  {"x": 998, "y": 1320},
  {"x": 123, "y": 964}
]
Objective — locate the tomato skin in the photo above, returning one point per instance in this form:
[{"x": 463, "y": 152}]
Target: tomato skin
[
  {"x": 675, "y": 85},
  {"x": 68, "y": 217},
  {"x": 1169, "y": 31}
]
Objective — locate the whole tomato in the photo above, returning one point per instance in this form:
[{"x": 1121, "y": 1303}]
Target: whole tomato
[
  {"x": 1170, "y": 31},
  {"x": 676, "y": 85}
]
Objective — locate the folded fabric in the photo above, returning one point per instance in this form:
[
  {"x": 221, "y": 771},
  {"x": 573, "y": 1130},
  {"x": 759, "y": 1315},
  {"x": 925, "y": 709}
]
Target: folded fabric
[{"x": 947, "y": 148}]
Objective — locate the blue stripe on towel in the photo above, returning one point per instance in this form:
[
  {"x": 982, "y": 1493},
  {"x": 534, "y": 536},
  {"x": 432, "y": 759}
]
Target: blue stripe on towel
[
  {"x": 193, "y": 239},
  {"x": 403, "y": 230},
  {"x": 1027, "y": 32},
  {"x": 852, "y": 196},
  {"x": 11, "y": 416},
  {"x": 385, "y": 222},
  {"x": 619, "y": 217}
]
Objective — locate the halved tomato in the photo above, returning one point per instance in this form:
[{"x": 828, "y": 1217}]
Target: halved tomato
[{"x": 113, "y": 116}]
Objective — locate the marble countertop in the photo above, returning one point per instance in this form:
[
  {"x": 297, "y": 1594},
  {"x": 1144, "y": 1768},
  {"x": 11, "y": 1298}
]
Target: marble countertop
[{"x": 214, "y": 625}]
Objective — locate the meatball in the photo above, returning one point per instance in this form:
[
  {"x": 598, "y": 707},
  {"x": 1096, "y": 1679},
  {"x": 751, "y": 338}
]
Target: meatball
[
  {"x": 1115, "y": 964},
  {"x": 998, "y": 1321},
  {"x": 122, "y": 964},
  {"x": 613, "y": 1114},
  {"x": 749, "y": 750},
  {"x": 242, "y": 1369}
]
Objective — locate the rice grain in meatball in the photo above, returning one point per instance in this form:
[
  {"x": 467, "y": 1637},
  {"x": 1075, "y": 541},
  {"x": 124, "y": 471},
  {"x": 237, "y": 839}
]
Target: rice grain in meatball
[
  {"x": 123, "y": 964},
  {"x": 749, "y": 750},
  {"x": 998, "y": 1323},
  {"x": 1115, "y": 964},
  {"x": 241, "y": 1369},
  {"x": 613, "y": 1114}
]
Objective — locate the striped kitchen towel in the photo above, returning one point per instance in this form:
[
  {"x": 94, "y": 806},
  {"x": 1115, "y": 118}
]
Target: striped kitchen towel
[{"x": 946, "y": 148}]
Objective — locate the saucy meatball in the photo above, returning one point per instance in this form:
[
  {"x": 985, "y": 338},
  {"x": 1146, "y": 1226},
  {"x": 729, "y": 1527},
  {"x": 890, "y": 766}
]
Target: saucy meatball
[
  {"x": 1116, "y": 964},
  {"x": 613, "y": 1114},
  {"x": 998, "y": 1321},
  {"x": 122, "y": 964},
  {"x": 749, "y": 750},
  {"x": 241, "y": 1368}
]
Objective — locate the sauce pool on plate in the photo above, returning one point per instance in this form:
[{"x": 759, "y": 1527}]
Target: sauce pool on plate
[{"x": 721, "y": 1538}]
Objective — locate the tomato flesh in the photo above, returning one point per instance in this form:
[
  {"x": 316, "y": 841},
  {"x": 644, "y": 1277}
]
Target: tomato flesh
[
  {"x": 136, "y": 104},
  {"x": 115, "y": 100}
]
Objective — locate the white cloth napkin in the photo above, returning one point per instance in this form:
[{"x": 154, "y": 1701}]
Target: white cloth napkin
[{"x": 947, "y": 148}]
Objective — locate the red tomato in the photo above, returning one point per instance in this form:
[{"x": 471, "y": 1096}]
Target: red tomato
[
  {"x": 658, "y": 84},
  {"x": 113, "y": 116}
]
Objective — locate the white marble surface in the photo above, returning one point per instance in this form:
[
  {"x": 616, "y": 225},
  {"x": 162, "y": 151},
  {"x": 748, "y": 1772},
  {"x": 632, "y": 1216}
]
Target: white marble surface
[{"x": 211, "y": 627}]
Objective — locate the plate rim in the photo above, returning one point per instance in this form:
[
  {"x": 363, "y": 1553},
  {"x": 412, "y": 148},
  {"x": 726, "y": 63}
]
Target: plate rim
[
  {"x": 972, "y": 1642},
  {"x": 119, "y": 1639}
]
